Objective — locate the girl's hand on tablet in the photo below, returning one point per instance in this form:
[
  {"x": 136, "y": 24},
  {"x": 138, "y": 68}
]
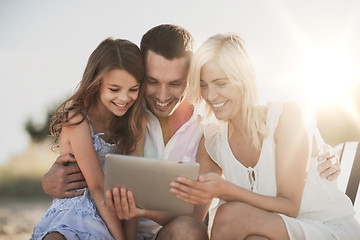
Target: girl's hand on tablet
[{"x": 122, "y": 203}]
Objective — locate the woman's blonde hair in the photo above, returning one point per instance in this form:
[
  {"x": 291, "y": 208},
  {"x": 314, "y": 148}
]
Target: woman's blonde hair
[
  {"x": 109, "y": 55},
  {"x": 228, "y": 52}
]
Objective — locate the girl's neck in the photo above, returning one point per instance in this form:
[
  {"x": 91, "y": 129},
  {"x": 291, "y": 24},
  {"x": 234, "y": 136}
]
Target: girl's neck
[{"x": 100, "y": 116}]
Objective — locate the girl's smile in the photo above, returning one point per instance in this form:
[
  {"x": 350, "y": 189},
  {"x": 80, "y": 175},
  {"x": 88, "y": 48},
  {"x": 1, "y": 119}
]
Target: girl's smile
[{"x": 118, "y": 91}]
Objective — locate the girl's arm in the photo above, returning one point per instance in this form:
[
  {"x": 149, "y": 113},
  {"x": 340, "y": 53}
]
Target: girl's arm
[
  {"x": 130, "y": 229},
  {"x": 79, "y": 138},
  {"x": 139, "y": 150},
  {"x": 292, "y": 153},
  {"x": 122, "y": 203},
  {"x": 130, "y": 226}
]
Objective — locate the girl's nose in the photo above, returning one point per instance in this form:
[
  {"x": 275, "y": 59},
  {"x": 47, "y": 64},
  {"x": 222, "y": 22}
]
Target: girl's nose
[{"x": 123, "y": 96}]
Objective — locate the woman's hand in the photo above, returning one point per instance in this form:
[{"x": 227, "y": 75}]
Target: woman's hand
[{"x": 208, "y": 186}]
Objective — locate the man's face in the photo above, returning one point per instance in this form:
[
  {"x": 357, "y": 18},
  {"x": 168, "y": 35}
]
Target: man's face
[{"x": 165, "y": 83}]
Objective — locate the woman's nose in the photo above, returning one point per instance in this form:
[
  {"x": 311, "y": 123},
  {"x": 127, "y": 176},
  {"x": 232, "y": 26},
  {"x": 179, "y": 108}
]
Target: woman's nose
[{"x": 211, "y": 93}]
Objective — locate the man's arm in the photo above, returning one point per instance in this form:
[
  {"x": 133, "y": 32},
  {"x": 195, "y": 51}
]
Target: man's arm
[
  {"x": 329, "y": 166},
  {"x": 63, "y": 177}
]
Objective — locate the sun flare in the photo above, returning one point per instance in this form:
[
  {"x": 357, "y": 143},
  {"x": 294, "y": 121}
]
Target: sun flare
[{"x": 328, "y": 75}]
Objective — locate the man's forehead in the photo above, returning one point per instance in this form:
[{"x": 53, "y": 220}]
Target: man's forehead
[
  {"x": 152, "y": 58},
  {"x": 160, "y": 68}
]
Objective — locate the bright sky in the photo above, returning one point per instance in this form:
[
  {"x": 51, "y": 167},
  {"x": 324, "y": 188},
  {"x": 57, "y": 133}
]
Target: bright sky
[{"x": 44, "y": 45}]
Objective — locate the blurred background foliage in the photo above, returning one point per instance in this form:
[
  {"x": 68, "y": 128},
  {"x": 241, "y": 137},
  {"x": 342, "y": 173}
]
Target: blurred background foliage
[{"x": 21, "y": 177}]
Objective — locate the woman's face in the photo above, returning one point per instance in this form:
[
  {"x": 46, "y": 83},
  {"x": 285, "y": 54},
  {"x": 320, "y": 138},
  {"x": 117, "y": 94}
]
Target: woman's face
[
  {"x": 218, "y": 92},
  {"x": 118, "y": 91}
]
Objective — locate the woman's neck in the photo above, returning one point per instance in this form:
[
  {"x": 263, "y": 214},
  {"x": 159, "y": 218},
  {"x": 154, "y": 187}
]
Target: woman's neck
[
  {"x": 236, "y": 124},
  {"x": 238, "y": 127}
]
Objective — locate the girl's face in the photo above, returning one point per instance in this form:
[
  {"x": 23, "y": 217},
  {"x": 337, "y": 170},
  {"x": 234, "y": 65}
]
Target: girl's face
[
  {"x": 118, "y": 91},
  {"x": 218, "y": 92}
]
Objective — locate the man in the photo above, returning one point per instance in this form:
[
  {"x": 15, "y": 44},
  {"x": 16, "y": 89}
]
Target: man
[{"x": 173, "y": 133}]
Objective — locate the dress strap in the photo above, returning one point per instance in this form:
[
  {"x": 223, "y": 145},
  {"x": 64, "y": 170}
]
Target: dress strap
[{"x": 91, "y": 128}]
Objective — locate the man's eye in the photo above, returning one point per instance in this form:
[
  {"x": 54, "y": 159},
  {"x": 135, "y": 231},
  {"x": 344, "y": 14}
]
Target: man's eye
[{"x": 151, "y": 82}]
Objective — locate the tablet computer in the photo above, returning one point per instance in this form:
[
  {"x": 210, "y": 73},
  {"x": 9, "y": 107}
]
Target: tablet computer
[{"x": 149, "y": 180}]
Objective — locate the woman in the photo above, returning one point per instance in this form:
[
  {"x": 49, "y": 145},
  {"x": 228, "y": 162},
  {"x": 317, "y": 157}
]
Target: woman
[{"x": 271, "y": 188}]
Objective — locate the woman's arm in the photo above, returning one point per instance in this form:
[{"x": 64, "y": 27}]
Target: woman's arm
[
  {"x": 292, "y": 153},
  {"x": 201, "y": 192},
  {"x": 79, "y": 137}
]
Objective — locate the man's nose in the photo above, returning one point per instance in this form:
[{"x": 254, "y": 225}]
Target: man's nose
[{"x": 163, "y": 93}]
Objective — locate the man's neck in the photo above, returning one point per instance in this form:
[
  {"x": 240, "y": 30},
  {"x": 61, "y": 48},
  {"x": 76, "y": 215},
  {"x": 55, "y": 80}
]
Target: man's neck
[{"x": 171, "y": 124}]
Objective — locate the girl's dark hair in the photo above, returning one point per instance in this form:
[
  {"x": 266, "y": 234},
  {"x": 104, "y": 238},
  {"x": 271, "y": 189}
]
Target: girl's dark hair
[{"x": 109, "y": 55}]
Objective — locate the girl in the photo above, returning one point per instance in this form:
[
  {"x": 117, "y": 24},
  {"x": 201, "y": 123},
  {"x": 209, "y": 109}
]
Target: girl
[
  {"x": 271, "y": 188},
  {"x": 103, "y": 116}
]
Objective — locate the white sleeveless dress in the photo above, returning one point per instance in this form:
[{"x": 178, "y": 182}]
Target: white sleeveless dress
[{"x": 325, "y": 212}]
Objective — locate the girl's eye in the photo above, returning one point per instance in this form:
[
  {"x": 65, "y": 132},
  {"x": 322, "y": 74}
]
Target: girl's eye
[
  {"x": 113, "y": 89},
  {"x": 134, "y": 89}
]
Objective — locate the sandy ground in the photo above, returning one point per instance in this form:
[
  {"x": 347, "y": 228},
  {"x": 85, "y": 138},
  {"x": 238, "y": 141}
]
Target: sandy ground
[{"x": 18, "y": 217}]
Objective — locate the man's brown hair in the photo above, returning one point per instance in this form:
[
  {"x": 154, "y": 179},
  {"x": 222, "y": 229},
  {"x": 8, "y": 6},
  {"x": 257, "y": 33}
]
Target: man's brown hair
[{"x": 168, "y": 40}]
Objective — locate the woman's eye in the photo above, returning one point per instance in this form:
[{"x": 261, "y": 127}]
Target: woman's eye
[
  {"x": 203, "y": 84},
  {"x": 221, "y": 84}
]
